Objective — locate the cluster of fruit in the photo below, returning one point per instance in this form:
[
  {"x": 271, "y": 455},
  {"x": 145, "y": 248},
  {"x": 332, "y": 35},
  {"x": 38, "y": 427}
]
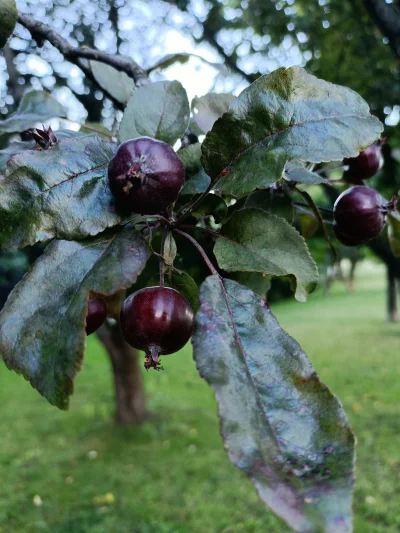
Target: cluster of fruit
[
  {"x": 146, "y": 177},
  {"x": 360, "y": 211}
]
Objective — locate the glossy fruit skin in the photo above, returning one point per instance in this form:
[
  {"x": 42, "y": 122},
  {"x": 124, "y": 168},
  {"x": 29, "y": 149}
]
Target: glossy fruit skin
[
  {"x": 145, "y": 175},
  {"x": 96, "y": 315},
  {"x": 366, "y": 164},
  {"x": 158, "y": 320},
  {"x": 359, "y": 215}
]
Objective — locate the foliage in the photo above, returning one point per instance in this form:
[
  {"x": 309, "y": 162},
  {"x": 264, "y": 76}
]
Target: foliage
[
  {"x": 192, "y": 486},
  {"x": 281, "y": 425}
]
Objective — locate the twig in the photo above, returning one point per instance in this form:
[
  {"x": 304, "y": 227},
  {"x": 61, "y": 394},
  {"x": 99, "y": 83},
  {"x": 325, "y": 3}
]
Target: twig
[
  {"x": 130, "y": 67},
  {"x": 194, "y": 204},
  {"x": 310, "y": 202},
  {"x": 162, "y": 257},
  {"x": 78, "y": 55},
  {"x": 229, "y": 60},
  {"x": 302, "y": 204},
  {"x": 200, "y": 249},
  {"x": 327, "y": 169}
]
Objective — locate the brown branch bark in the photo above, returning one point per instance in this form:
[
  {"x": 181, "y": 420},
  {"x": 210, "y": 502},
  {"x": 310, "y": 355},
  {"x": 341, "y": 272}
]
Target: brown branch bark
[
  {"x": 128, "y": 382},
  {"x": 387, "y": 18},
  {"x": 78, "y": 56}
]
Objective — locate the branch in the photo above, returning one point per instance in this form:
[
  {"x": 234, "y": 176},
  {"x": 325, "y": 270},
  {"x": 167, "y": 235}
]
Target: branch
[
  {"x": 77, "y": 55},
  {"x": 132, "y": 69},
  {"x": 387, "y": 18},
  {"x": 209, "y": 36}
]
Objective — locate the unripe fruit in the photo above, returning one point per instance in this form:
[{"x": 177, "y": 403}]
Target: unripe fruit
[
  {"x": 96, "y": 315},
  {"x": 145, "y": 175},
  {"x": 158, "y": 320},
  {"x": 359, "y": 214},
  {"x": 366, "y": 164}
]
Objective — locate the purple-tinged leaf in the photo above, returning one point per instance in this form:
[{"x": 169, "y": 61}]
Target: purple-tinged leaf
[
  {"x": 62, "y": 193},
  {"x": 42, "y": 325},
  {"x": 280, "y": 424}
]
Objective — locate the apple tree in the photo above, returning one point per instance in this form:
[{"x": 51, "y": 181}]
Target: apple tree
[{"x": 151, "y": 246}]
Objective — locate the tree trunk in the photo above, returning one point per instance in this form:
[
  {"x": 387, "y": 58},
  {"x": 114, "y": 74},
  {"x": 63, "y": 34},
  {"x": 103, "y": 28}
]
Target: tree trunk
[
  {"x": 391, "y": 297},
  {"x": 128, "y": 383}
]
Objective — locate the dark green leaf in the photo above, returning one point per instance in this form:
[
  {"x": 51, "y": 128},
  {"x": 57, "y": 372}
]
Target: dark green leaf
[
  {"x": 296, "y": 171},
  {"x": 256, "y": 281},
  {"x": 283, "y": 116},
  {"x": 253, "y": 240},
  {"x": 62, "y": 192},
  {"x": 8, "y": 20},
  {"x": 42, "y": 325},
  {"x": 35, "y": 107},
  {"x": 181, "y": 282},
  {"x": 190, "y": 157},
  {"x": 198, "y": 184},
  {"x": 274, "y": 201},
  {"x": 280, "y": 424},
  {"x": 159, "y": 110},
  {"x": 21, "y": 146},
  {"x": 211, "y": 205},
  {"x": 117, "y": 83},
  {"x": 207, "y": 109},
  {"x": 393, "y": 220},
  {"x": 169, "y": 249}
]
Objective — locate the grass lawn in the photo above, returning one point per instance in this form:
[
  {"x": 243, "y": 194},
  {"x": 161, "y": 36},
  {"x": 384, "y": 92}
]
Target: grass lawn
[{"x": 75, "y": 472}]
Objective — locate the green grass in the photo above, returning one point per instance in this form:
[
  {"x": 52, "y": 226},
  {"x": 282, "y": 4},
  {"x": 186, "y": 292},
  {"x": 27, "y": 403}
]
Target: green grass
[{"x": 172, "y": 475}]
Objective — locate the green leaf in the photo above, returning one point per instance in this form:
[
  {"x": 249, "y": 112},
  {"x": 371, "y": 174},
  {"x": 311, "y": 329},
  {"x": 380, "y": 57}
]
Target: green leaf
[
  {"x": 117, "y": 83},
  {"x": 159, "y": 110},
  {"x": 280, "y": 424},
  {"x": 191, "y": 158},
  {"x": 42, "y": 325},
  {"x": 198, "y": 184},
  {"x": 283, "y": 116},
  {"x": 211, "y": 205},
  {"x": 273, "y": 201},
  {"x": 62, "y": 192},
  {"x": 21, "y": 146},
  {"x": 393, "y": 220},
  {"x": 207, "y": 109},
  {"x": 8, "y": 20},
  {"x": 256, "y": 241},
  {"x": 256, "y": 281},
  {"x": 181, "y": 282},
  {"x": 96, "y": 127},
  {"x": 296, "y": 171},
  {"x": 169, "y": 249},
  {"x": 35, "y": 107}
]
